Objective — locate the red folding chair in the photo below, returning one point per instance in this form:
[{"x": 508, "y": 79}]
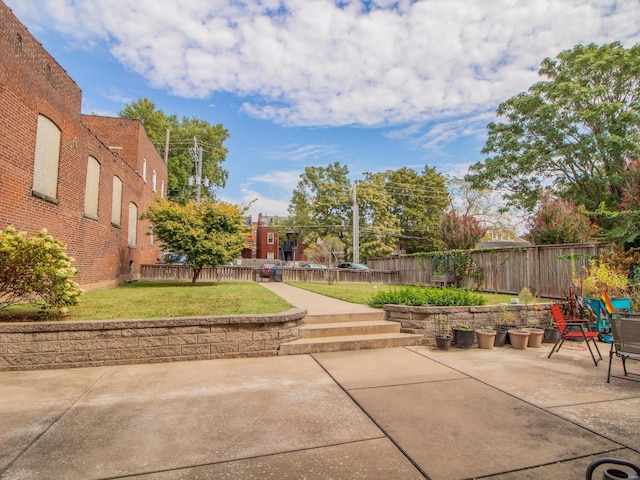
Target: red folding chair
[{"x": 573, "y": 331}]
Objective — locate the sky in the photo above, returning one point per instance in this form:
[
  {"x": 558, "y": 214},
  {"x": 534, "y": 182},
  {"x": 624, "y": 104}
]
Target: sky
[{"x": 371, "y": 84}]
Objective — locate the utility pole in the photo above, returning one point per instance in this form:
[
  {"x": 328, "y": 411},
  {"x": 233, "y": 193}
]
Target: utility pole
[
  {"x": 196, "y": 156},
  {"x": 356, "y": 225},
  {"x": 166, "y": 147}
]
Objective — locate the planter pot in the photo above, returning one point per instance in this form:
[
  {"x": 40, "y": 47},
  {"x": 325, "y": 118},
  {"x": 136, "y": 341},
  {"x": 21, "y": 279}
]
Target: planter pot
[
  {"x": 535, "y": 337},
  {"x": 551, "y": 335},
  {"x": 501, "y": 338},
  {"x": 464, "y": 338},
  {"x": 443, "y": 343},
  {"x": 506, "y": 328},
  {"x": 519, "y": 339},
  {"x": 486, "y": 339}
]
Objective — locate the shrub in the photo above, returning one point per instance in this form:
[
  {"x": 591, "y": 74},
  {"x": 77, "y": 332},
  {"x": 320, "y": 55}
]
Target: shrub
[
  {"x": 560, "y": 221},
  {"x": 418, "y": 296},
  {"x": 36, "y": 270}
]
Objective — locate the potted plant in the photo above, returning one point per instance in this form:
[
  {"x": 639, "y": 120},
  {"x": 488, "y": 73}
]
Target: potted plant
[
  {"x": 486, "y": 337},
  {"x": 463, "y": 336},
  {"x": 536, "y": 335},
  {"x": 443, "y": 333},
  {"x": 519, "y": 338},
  {"x": 504, "y": 323}
]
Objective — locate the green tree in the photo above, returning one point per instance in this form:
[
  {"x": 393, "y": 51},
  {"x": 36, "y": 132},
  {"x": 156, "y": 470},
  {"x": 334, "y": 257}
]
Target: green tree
[
  {"x": 379, "y": 226},
  {"x": 209, "y": 234},
  {"x": 182, "y": 133},
  {"x": 460, "y": 232},
  {"x": 36, "y": 269},
  {"x": 559, "y": 221},
  {"x": 577, "y": 130},
  {"x": 321, "y": 205},
  {"x": 417, "y": 200}
]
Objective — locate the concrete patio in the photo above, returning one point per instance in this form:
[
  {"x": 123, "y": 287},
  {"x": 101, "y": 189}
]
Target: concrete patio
[{"x": 400, "y": 413}]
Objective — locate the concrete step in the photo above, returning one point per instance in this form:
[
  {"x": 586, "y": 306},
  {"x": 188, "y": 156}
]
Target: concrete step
[
  {"x": 339, "y": 329},
  {"x": 349, "y": 342},
  {"x": 344, "y": 317}
]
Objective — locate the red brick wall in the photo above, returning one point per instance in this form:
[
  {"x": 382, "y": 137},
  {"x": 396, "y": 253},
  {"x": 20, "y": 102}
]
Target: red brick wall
[{"x": 33, "y": 83}]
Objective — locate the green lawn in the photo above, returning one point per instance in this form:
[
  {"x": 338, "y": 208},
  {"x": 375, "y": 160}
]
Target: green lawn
[
  {"x": 178, "y": 299},
  {"x": 166, "y": 299},
  {"x": 362, "y": 293}
]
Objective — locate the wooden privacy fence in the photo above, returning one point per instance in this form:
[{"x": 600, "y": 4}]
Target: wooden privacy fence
[
  {"x": 544, "y": 269},
  {"x": 184, "y": 273}
]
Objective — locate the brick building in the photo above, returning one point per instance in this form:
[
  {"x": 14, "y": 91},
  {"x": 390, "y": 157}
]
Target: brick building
[
  {"x": 86, "y": 179},
  {"x": 270, "y": 246}
]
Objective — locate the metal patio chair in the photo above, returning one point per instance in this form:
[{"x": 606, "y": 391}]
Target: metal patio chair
[
  {"x": 573, "y": 331},
  {"x": 625, "y": 345}
]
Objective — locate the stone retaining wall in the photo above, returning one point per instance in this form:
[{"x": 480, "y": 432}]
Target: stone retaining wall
[
  {"x": 45, "y": 345},
  {"x": 423, "y": 320}
]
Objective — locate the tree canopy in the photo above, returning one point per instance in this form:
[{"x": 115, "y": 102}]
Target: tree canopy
[
  {"x": 208, "y": 234},
  {"x": 417, "y": 200},
  {"x": 576, "y": 131},
  {"x": 182, "y": 132},
  {"x": 396, "y": 207}
]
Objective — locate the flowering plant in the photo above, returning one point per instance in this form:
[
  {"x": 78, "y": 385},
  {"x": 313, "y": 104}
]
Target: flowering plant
[{"x": 601, "y": 277}]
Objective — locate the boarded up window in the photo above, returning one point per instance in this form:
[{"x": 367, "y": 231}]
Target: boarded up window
[
  {"x": 116, "y": 201},
  {"x": 133, "y": 224},
  {"x": 91, "y": 188},
  {"x": 45, "y": 168}
]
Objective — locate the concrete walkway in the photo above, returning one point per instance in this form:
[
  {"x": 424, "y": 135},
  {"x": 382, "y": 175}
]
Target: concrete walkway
[
  {"x": 399, "y": 413},
  {"x": 314, "y": 303}
]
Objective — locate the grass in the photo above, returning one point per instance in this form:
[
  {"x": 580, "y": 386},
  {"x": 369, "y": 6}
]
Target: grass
[
  {"x": 362, "y": 293},
  {"x": 178, "y": 299},
  {"x": 164, "y": 299}
]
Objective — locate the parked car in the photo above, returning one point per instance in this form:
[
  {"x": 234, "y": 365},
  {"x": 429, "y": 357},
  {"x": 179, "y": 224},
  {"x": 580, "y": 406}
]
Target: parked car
[
  {"x": 265, "y": 270},
  {"x": 313, "y": 265},
  {"x": 173, "y": 259},
  {"x": 352, "y": 266}
]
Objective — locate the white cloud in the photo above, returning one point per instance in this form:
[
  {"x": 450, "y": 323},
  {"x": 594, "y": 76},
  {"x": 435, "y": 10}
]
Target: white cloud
[
  {"x": 311, "y": 62},
  {"x": 286, "y": 180},
  {"x": 296, "y": 152},
  {"x": 258, "y": 203}
]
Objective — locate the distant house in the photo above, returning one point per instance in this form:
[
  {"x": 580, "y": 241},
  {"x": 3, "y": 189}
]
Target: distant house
[
  {"x": 270, "y": 246},
  {"x": 499, "y": 237},
  {"x": 86, "y": 179}
]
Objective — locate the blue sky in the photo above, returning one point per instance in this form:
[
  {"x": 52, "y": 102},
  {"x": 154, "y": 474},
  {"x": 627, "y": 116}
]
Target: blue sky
[{"x": 375, "y": 85}]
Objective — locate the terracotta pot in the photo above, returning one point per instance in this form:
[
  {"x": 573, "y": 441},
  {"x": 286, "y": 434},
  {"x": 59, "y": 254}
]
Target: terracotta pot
[
  {"x": 486, "y": 339},
  {"x": 519, "y": 338},
  {"x": 536, "y": 335}
]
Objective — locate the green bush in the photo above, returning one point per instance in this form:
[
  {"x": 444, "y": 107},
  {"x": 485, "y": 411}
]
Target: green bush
[
  {"x": 36, "y": 270},
  {"x": 418, "y": 296}
]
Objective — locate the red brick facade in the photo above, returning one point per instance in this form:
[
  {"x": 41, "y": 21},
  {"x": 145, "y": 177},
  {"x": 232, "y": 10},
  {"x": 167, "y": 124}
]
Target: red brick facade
[
  {"x": 33, "y": 84},
  {"x": 267, "y": 241}
]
